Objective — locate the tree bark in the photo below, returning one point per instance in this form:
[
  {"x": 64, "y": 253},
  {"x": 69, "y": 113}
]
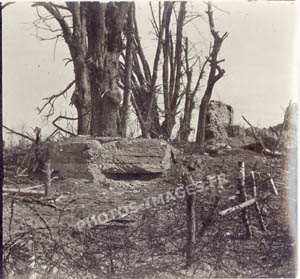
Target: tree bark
[
  {"x": 81, "y": 98},
  {"x": 105, "y": 26}
]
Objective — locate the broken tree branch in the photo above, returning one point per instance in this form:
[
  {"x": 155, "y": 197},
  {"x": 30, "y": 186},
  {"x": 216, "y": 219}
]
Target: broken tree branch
[
  {"x": 6, "y": 4},
  {"x": 18, "y": 133},
  {"x": 254, "y": 133},
  {"x": 62, "y": 129},
  {"x": 238, "y": 207},
  {"x": 51, "y": 100},
  {"x": 23, "y": 191}
]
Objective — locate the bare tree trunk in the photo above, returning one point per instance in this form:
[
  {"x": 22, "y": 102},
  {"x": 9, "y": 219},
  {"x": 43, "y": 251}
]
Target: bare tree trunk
[
  {"x": 185, "y": 121},
  {"x": 172, "y": 85},
  {"x": 175, "y": 95},
  {"x": 215, "y": 74},
  {"x": 165, "y": 70},
  {"x": 128, "y": 73},
  {"x": 144, "y": 97},
  {"x": 105, "y": 27},
  {"x": 202, "y": 120},
  {"x": 95, "y": 44},
  {"x": 81, "y": 99}
]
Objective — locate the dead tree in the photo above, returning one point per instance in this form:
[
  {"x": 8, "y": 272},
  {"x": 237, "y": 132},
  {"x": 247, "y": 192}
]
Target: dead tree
[
  {"x": 94, "y": 38},
  {"x": 172, "y": 90},
  {"x": 144, "y": 81},
  {"x": 145, "y": 87},
  {"x": 185, "y": 128},
  {"x": 216, "y": 72}
]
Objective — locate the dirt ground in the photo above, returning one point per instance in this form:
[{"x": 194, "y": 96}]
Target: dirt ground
[{"x": 41, "y": 236}]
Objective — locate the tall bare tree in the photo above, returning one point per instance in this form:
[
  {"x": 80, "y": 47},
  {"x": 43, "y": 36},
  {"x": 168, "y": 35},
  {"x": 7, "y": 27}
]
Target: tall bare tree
[
  {"x": 185, "y": 128},
  {"x": 215, "y": 73},
  {"x": 144, "y": 82},
  {"x": 127, "y": 72},
  {"x": 145, "y": 87}
]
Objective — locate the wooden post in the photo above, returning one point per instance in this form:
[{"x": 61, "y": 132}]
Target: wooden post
[
  {"x": 48, "y": 171},
  {"x": 243, "y": 198},
  {"x": 191, "y": 221},
  {"x": 256, "y": 205}
]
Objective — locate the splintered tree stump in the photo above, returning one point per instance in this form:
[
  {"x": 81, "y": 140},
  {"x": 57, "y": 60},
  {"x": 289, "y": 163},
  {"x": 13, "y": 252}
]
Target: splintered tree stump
[{"x": 243, "y": 198}]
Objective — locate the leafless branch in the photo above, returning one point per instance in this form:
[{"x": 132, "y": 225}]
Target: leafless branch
[
  {"x": 60, "y": 128},
  {"x": 6, "y": 4},
  {"x": 18, "y": 133},
  {"x": 153, "y": 20},
  {"x": 54, "y": 11},
  {"x": 51, "y": 100},
  {"x": 254, "y": 133}
]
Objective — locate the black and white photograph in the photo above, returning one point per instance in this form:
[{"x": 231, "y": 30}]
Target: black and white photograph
[{"x": 149, "y": 139}]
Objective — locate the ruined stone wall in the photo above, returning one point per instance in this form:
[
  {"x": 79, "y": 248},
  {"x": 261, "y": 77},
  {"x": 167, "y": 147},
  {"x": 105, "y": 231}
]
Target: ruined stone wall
[{"x": 219, "y": 117}]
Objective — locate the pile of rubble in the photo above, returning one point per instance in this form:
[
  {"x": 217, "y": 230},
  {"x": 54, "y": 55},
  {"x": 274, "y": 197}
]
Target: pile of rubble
[
  {"x": 222, "y": 133},
  {"x": 100, "y": 158}
]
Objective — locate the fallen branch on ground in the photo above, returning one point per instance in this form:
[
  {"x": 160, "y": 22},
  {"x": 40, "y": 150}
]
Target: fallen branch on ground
[
  {"x": 23, "y": 191},
  {"x": 32, "y": 200},
  {"x": 34, "y": 187},
  {"x": 237, "y": 207}
]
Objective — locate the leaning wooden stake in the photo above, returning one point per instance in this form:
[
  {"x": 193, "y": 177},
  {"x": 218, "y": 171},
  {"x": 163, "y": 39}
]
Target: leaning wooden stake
[
  {"x": 243, "y": 198},
  {"x": 272, "y": 184},
  {"x": 191, "y": 221},
  {"x": 256, "y": 206},
  {"x": 254, "y": 134}
]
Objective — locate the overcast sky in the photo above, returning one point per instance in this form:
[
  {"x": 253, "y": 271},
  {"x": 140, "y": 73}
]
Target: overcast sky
[{"x": 260, "y": 52}]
